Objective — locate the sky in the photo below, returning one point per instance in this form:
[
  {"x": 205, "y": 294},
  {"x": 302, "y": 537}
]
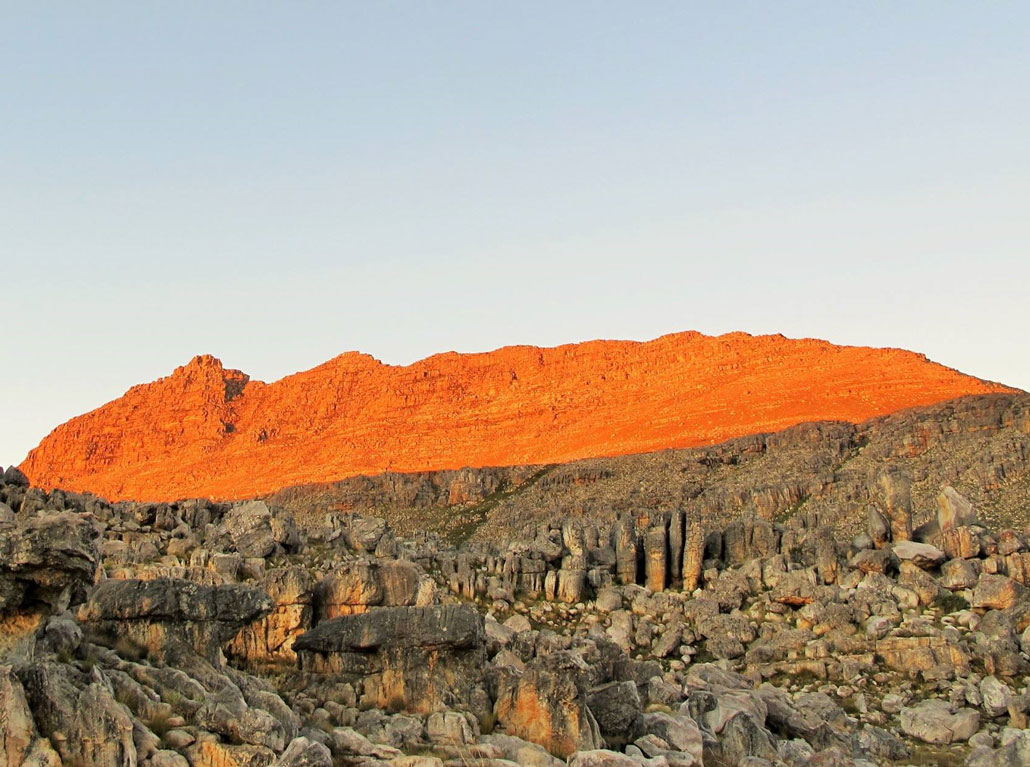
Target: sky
[{"x": 276, "y": 183}]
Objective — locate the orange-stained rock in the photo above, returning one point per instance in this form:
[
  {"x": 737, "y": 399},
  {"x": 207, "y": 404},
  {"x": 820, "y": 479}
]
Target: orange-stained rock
[{"x": 212, "y": 432}]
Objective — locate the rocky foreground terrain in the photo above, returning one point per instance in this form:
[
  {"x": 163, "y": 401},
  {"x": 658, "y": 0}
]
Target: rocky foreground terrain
[
  {"x": 213, "y": 432},
  {"x": 203, "y": 634}
]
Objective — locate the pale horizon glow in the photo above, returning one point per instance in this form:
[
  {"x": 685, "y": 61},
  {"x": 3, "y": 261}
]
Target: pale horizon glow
[{"x": 275, "y": 184}]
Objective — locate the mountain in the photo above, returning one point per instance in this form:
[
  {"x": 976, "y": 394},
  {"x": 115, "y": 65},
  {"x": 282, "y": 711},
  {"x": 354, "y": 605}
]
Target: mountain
[
  {"x": 207, "y": 430},
  {"x": 980, "y": 445}
]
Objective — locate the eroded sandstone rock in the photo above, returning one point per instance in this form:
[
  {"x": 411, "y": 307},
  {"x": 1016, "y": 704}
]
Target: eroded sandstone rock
[
  {"x": 547, "y": 704},
  {"x": 418, "y": 659},
  {"x": 159, "y": 614},
  {"x": 46, "y": 562}
]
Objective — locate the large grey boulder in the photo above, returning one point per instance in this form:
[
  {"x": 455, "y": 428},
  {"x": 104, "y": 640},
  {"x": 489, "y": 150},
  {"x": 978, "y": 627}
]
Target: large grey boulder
[
  {"x": 1015, "y": 753},
  {"x": 923, "y": 555},
  {"x": 678, "y": 730},
  {"x": 416, "y": 659},
  {"x": 617, "y": 708},
  {"x": 996, "y": 696},
  {"x": 20, "y": 741},
  {"x": 259, "y": 530},
  {"x": 303, "y": 752},
  {"x": 47, "y": 562},
  {"x": 157, "y": 615},
  {"x": 79, "y": 714},
  {"x": 934, "y": 721}
]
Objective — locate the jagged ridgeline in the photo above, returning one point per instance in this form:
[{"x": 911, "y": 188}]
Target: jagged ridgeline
[
  {"x": 209, "y": 431},
  {"x": 830, "y": 595}
]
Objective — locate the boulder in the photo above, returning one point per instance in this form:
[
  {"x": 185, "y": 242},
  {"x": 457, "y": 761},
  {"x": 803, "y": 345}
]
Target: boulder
[
  {"x": 797, "y": 588},
  {"x": 303, "y": 752},
  {"x": 874, "y": 561},
  {"x": 962, "y": 542},
  {"x": 349, "y": 742},
  {"x": 449, "y": 727},
  {"x": 678, "y": 730},
  {"x": 364, "y": 534},
  {"x": 270, "y": 638},
  {"x": 953, "y": 510},
  {"x": 959, "y": 574},
  {"x": 521, "y": 751},
  {"x": 157, "y": 615},
  {"x": 547, "y": 704},
  {"x": 215, "y": 753},
  {"x": 996, "y": 696},
  {"x": 934, "y": 721},
  {"x": 1014, "y": 753},
  {"x": 923, "y": 555},
  {"x": 415, "y": 659},
  {"x": 20, "y": 742},
  {"x": 349, "y": 590},
  {"x": 877, "y": 527},
  {"x": 258, "y": 530},
  {"x": 46, "y": 562},
  {"x": 897, "y": 496},
  {"x": 617, "y": 708},
  {"x": 741, "y": 737},
  {"x": 78, "y": 713},
  {"x": 360, "y": 585},
  {"x": 996, "y": 592}
]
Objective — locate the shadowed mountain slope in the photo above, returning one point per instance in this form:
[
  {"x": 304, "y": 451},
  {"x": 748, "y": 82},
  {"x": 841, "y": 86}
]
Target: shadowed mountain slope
[{"x": 978, "y": 444}]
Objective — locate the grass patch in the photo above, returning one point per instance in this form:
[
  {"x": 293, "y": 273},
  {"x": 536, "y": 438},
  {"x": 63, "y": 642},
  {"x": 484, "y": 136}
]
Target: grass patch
[
  {"x": 161, "y": 723},
  {"x": 950, "y": 603},
  {"x": 927, "y": 755}
]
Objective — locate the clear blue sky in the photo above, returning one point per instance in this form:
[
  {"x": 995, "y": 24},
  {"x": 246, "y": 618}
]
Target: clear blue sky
[{"x": 277, "y": 183}]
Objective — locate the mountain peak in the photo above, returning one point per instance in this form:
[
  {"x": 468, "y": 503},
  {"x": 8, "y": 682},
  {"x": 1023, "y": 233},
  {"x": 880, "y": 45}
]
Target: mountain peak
[{"x": 209, "y": 431}]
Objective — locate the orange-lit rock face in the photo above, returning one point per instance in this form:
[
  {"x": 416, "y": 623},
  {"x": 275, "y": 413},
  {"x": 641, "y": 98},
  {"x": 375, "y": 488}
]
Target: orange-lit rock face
[{"x": 208, "y": 431}]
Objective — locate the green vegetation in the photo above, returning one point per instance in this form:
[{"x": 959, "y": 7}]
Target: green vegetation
[
  {"x": 950, "y": 603},
  {"x": 469, "y": 520}
]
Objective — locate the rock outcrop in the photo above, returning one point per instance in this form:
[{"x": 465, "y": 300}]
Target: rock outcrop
[
  {"x": 419, "y": 659},
  {"x": 209, "y": 431},
  {"x": 50, "y": 561},
  {"x": 162, "y": 613},
  {"x": 547, "y": 704},
  {"x": 980, "y": 445}
]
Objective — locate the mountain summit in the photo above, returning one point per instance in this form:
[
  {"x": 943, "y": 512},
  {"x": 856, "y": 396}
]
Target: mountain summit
[{"x": 207, "y": 430}]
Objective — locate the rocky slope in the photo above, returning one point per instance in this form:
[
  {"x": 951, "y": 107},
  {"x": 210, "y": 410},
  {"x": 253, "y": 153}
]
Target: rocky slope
[
  {"x": 201, "y": 634},
  {"x": 980, "y": 445},
  {"x": 209, "y": 431}
]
